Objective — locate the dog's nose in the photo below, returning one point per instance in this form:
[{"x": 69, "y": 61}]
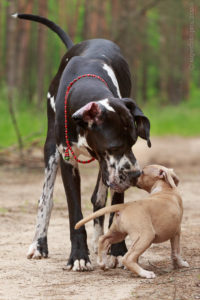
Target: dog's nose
[{"x": 134, "y": 176}]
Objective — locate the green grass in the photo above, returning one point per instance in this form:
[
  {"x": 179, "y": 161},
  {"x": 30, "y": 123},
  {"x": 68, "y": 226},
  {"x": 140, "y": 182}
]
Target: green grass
[
  {"x": 183, "y": 120},
  {"x": 31, "y": 122}
]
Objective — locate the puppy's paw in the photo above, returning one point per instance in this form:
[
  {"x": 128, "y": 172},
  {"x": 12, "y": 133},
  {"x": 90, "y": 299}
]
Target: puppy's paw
[
  {"x": 111, "y": 262},
  {"x": 183, "y": 264},
  {"x": 147, "y": 274},
  {"x": 102, "y": 264},
  {"x": 180, "y": 263}
]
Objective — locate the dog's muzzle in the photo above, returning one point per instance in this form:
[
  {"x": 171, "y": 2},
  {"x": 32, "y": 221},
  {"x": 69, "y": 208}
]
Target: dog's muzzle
[
  {"x": 133, "y": 177},
  {"x": 130, "y": 179}
]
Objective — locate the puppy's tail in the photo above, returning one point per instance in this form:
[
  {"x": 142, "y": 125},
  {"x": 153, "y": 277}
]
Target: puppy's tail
[
  {"x": 98, "y": 213},
  {"x": 60, "y": 32}
]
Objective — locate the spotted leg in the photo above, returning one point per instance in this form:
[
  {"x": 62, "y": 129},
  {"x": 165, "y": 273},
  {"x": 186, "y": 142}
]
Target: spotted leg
[
  {"x": 117, "y": 251},
  {"x": 99, "y": 199},
  {"x": 79, "y": 256},
  {"x": 39, "y": 248}
]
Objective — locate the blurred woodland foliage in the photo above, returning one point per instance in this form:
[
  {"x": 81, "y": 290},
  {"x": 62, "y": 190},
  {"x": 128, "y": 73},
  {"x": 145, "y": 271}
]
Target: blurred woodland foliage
[{"x": 159, "y": 39}]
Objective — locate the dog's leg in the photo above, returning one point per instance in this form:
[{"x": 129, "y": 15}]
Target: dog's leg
[
  {"x": 78, "y": 259},
  {"x": 39, "y": 247},
  {"x": 177, "y": 260},
  {"x": 105, "y": 241},
  {"x": 99, "y": 198},
  {"x": 139, "y": 245},
  {"x": 118, "y": 250}
]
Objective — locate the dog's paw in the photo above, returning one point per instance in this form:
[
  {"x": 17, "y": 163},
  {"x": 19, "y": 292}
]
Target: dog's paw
[
  {"x": 184, "y": 264},
  {"x": 79, "y": 265},
  {"x": 114, "y": 262},
  {"x": 38, "y": 249},
  {"x": 102, "y": 264},
  {"x": 147, "y": 274},
  {"x": 180, "y": 264}
]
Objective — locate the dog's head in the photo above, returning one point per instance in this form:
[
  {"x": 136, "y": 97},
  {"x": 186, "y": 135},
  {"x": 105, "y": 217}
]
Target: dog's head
[
  {"x": 111, "y": 127},
  {"x": 151, "y": 174}
]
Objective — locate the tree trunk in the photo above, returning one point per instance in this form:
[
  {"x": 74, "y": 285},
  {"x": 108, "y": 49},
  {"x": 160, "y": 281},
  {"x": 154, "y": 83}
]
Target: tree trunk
[
  {"x": 41, "y": 48},
  {"x": 11, "y": 70},
  {"x": 23, "y": 43},
  {"x": 11, "y": 46}
]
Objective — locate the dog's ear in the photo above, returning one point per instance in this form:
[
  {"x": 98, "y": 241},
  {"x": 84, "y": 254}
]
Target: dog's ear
[
  {"x": 88, "y": 114},
  {"x": 169, "y": 176},
  {"x": 141, "y": 121},
  {"x": 174, "y": 176}
]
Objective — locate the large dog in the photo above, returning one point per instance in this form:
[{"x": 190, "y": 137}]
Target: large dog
[{"x": 89, "y": 113}]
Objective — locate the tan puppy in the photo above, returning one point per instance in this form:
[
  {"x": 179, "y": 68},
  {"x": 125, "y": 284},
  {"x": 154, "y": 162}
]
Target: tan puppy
[{"x": 154, "y": 219}]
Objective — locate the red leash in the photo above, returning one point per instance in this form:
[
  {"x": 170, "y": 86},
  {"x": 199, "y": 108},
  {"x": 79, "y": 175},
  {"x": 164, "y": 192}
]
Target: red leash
[{"x": 67, "y": 157}]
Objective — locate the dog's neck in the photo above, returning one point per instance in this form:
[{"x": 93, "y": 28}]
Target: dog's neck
[{"x": 160, "y": 186}]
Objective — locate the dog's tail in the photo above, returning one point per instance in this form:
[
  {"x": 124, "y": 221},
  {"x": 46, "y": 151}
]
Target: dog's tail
[
  {"x": 60, "y": 32},
  {"x": 98, "y": 213}
]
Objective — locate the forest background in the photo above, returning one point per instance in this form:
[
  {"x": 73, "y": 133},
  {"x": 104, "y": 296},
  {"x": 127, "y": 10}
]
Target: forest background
[{"x": 160, "y": 39}]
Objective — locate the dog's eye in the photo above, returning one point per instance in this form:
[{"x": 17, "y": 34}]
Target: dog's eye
[{"x": 113, "y": 150}]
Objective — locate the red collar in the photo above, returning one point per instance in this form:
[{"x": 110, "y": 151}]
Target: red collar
[{"x": 67, "y": 157}]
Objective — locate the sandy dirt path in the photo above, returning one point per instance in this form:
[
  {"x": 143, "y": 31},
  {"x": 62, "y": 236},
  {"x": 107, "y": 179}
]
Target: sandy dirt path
[{"x": 21, "y": 278}]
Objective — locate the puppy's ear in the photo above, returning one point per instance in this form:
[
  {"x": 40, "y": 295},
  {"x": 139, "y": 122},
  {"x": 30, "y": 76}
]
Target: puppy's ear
[
  {"x": 174, "y": 176},
  {"x": 141, "y": 121},
  {"x": 169, "y": 176},
  {"x": 88, "y": 114}
]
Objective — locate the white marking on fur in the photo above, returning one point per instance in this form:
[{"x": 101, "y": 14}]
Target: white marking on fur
[
  {"x": 48, "y": 95},
  {"x": 119, "y": 261},
  {"x": 111, "y": 261},
  {"x": 45, "y": 204},
  {"x": 182, "y": 263},
  {"x": 79, "y": 148},
  {"x": 14, "y": 15},
  {"x": 32, "y": 249},
  {"x": 114, "y": 167},
  {"x": 106, "y": 104},
  {"x": 81, "y": 265},
  {"x": 37, "y": 254},
  {"x": 82, "y": 141},
  {"x": 178, "y": 261},
  {"x": 124, "y": 159},
  {"x": 147, "y": 274},
  {"x": 53, "y": 104},
  {"x": 68, "y": 267},
  {"x": 111, "y": 74},
  {"x": 76, "y": 266},
  {"x": 157, "y": 189},
  {"x": 89, "y": 266},
  {"x": 98, "y": 231},
  {"x": 100, "y": 202},
  {"x": 61, "y": 148},
  {"x": 101, "y": 194}
]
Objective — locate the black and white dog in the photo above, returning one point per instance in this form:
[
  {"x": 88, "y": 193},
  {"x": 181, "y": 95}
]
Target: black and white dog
[{"x": 102, "y": 122}]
